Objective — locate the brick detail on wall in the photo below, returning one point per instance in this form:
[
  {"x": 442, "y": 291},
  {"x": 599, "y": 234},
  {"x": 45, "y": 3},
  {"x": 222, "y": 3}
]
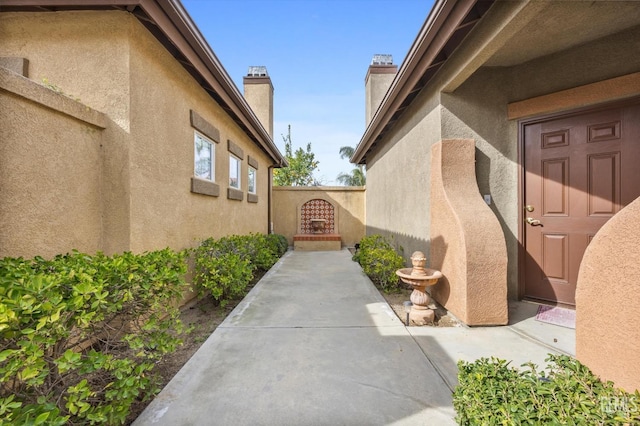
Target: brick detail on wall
[{"x": 317, "y": 237}]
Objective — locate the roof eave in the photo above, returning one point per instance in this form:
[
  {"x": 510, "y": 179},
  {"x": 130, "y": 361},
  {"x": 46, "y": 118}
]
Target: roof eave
[
  {"x": 187, "y": 28},
  {"x": 174, "y": 22},
  {"x": 423, "y": 60}
]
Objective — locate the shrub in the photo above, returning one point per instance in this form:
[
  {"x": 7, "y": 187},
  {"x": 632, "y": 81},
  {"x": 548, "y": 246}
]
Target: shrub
[
  {"x": 80, "y": 334},
  {"x": 225, "y": 275},
  {"x": 226, "y": 266},
  {"x": 278, "y": 243},
  {"x": 490, "y": 393},
  {"x": 379, "y": 261}
]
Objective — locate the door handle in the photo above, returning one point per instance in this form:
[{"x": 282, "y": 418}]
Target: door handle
[{"x": 533, "y": 222}]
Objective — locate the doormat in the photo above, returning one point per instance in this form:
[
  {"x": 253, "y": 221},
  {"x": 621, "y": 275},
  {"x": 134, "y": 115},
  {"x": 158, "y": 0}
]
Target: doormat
[{"x": 556, "y": 316}]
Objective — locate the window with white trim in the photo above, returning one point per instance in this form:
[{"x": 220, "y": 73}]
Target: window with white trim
[
  {"x": 251, "y": 180},
  {"x": 234, "y": 172},
  {"x": 204, "y": 157}
]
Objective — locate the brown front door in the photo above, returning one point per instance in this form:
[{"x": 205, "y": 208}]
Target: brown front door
[{"x": 579, "y": 171}]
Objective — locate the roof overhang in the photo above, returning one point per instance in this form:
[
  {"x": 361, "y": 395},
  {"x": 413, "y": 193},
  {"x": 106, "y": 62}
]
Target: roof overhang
[
  {"x": 445, "y": 28},
  {"x": 172, "y": 26},
  {"x": 511, "y": 33}
]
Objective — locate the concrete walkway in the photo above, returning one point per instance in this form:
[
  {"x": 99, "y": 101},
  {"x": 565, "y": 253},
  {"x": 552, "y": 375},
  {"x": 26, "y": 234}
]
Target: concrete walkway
[{"x": 314, "y": 343}]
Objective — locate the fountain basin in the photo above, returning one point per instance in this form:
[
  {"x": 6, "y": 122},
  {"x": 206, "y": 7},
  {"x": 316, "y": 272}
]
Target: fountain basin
[
  {"x": 419, "y": 278},
  {"x": 408, "y": 276}
]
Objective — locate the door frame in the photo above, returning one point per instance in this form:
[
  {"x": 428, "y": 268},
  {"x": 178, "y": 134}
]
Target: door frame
[{"x": 603, "y": 106}]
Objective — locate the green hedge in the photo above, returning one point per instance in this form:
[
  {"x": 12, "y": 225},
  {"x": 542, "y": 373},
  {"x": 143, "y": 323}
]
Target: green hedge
[
  {"x": 226, "y": 266},
  {"x": 80, "y": 334},
  {"x": 380, "y": 261},
  {"x": 490, "y": 392}
]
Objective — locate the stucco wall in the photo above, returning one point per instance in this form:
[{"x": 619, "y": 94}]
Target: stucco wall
[
  {"x": 349, "y": 203},
  {"x": 163, "y": 210},
  {"x": 86, "y": 56},
  {"x": 49, "y": 172},
  {"x": 398, "y": 178},
  {"x": 607, "y": 314},
  {"x": 142, "y": 195},
  {"x": 477, "y": 111}
]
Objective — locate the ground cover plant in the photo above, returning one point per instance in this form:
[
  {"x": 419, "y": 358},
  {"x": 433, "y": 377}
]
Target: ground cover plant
[
  {"x": 490, "y": 392},
  {"x": 80, "y": 334},
  {"x": 380, "y": 261}
]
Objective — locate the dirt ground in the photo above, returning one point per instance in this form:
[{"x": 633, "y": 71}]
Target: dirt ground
[
  {"x": 396, "y": 301},
  {"x": 205, "y": 315}
]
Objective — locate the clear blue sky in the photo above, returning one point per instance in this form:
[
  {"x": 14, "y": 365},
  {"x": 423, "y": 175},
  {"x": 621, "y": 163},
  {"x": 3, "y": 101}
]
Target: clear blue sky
[{"x": 317, "y": 53}]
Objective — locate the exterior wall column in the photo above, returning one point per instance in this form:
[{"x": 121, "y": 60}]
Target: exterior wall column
[
  {"x": 607, "y": 314},
  {"x": 467, "y": 243}
]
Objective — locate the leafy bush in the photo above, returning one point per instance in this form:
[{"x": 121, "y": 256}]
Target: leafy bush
[
  {"x": 226, "y": 266},
  {"x": 490, "y": 393},
  {"x": 278, "y": 244},
  {"x": 225, "y": 275},
  {"x": 80, "y": 334},
  {"x": 380, "y": 261}
]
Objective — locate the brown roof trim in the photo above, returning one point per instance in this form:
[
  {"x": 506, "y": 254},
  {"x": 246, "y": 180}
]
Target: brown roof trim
[
  {"x": 445, "y": 28},
  {"x": 170, "y": 23}
]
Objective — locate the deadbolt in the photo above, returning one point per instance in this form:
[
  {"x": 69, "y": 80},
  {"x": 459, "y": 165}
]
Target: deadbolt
[{"x": 529, "y": 208}]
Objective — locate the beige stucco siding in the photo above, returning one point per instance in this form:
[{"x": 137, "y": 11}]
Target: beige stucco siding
[
  {"x": 164, "y": 211},
  {"x": 477, "y": 111},
  {"x": 398, "y": 178},
  {"x": 49, "y": 180},
  {"x": 141, "y": 197},
  {"x": 84, "y": 54}
]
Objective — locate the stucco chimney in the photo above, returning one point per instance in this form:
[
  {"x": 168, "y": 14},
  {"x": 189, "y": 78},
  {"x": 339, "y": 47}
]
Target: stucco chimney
[
  {"x": 258, "y": 91},
  {"x": 378, "y": 80}
]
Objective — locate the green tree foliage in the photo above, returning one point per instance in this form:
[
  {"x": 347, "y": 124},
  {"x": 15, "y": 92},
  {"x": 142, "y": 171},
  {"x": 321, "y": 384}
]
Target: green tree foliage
[
  {"x": 302, "y": 164},
  {"x": 357, "y": 176}
]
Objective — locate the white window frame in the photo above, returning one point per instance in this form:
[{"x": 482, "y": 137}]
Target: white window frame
[
  {"x": 212, "y": 156},
  {"x": 254, "y": 172},
  {"x": 237, "y": 170}
]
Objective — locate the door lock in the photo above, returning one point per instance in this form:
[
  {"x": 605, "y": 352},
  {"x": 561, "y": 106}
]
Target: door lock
[
  {"x": 529, "y": 208},
  {"x": 533, "y": 222}
]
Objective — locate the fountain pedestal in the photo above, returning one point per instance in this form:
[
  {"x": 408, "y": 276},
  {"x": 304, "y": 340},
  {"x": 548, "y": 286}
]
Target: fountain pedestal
[{"x": 419, "y": 278}]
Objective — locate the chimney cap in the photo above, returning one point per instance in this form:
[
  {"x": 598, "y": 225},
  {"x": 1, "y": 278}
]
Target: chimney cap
[
  {"x": 257, "y": 71},
  {"x": 382, "y": 59}
]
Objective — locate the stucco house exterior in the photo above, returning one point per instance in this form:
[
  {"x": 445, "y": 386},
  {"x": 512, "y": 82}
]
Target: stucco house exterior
[
  {"x": 120, "y": 130},
  {"x": 508, "y": 137}
]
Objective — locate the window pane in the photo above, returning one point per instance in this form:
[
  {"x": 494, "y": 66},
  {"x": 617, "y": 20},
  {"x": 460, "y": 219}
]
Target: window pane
[
  {"x": 251, "y": 181},
  {"x": 234, "y": 172},
  {"x": 203, "y": 158}
]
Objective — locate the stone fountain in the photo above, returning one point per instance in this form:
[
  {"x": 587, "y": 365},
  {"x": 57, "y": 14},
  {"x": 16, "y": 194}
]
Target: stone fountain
[{"x": 419, "y": 278}]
